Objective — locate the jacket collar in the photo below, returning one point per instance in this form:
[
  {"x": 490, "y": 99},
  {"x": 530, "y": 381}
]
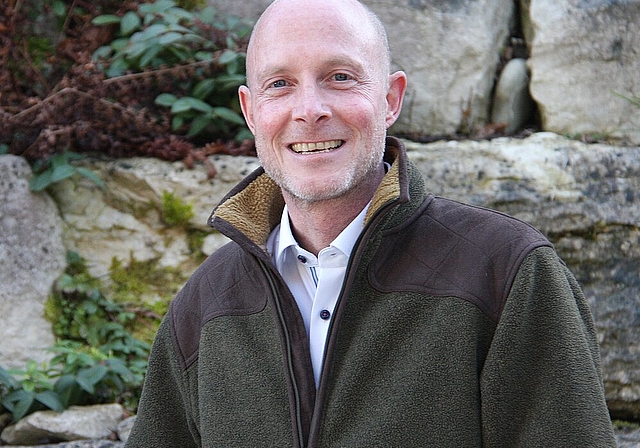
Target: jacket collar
[{"x": 255, "y": 205}]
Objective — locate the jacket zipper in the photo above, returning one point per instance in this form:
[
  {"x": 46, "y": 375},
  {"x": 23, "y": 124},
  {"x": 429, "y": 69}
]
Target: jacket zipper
[
  {"x": 294, "y": 383},
  {"x": 358, "y": 249}
]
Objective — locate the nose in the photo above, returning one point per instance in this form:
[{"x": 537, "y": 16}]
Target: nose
[{"x": 310, "y": 105}]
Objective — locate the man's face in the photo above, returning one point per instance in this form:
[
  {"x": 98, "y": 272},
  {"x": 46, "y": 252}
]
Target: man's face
[{"x": 318, "y": 101}]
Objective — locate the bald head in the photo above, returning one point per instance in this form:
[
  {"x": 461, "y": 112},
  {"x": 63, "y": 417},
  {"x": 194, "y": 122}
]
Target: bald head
[{"x": 363, "y": 24}]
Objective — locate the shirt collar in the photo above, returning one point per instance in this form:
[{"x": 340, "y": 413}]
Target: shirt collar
[{"x": 282, "y": 238}]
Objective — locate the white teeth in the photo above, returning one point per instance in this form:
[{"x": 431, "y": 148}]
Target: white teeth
[{"x": 320, "y": 146}]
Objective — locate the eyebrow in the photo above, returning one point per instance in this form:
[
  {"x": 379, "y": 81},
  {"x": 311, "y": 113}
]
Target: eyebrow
[{"x": 338, "y": 61}]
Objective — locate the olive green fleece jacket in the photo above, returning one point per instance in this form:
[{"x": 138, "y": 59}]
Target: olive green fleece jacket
[{"x": 456, "y": 327}]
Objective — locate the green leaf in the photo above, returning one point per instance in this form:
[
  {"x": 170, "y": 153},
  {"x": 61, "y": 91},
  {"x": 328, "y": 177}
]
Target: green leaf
[
  {"x": 203, "y": 89},
  {"x": 49, "y": 399},
  {"x": 176, "y": 122},
  {"x": 176, "y": 15},
  {"x": 207, "y": 15},
  {"x": 203, "y": 56},
  {"x": 62, "y": 172},
  {"x": 233, "y": 67},
  {"x": 18, "y": 403},
  {"x": 189, "y": 103},
  {"x": 89, "y": 307},
  {"x": 180, "y": 29},
  {"x": 158, "y": 7},
  {"x": 119, "y": 367},
  {"x": 230, "y": 81},
  {"x": 199, "y": 124},
  {"x": 41, "y": 181},
  {"x": 120, "y": 43},
  {"x": 102, "y": 53},
  {"x": 170, "y": 38},
  {"x": 154, "y": 31},
  {"x": 59, "y": 8},
  {"x": 227, "y": 56},
  {"x": 91, "y": 176},
  {"x": 244, "y": 134},
  {"x": 7, "y": 379},
  {"x": 228, "y": 115},
  {"x": 67, "y": 390},
  {"x": 165, "y": 99},
  {"x": 150, "y": 55},
  {"x": 179, "y": 53},
  {"x": 70, "y": 155},
  {"x": 88, "y": 378},
  {"x": 106, "y": 19},
  {"x": 130, "y": 22},
  {"x": 117, "y": 68},
  {"x": 136, "y": 50}
]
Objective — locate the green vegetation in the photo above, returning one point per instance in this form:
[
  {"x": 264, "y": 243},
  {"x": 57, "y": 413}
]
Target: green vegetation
[
  {"x": 77, "y": 375},
  {"x": 103, "y": 338},
  {"x": 174, "y": 211},
  {"x": 162, "y": 81},
  {"x": 162, "y": 34},
  {"x": 120, "y": 79},
  {"x": 146, "y": 287},
  {"x": 58, "y": 168},
  {"x": 635, "y": 100}
]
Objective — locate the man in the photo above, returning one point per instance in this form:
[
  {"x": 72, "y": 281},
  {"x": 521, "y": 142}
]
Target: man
[{"x": 352, "y": 308}]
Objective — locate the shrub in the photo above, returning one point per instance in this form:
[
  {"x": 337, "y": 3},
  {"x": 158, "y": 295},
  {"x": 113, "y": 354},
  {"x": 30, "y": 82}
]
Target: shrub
[
  {"x": 96, "y": 358},
  {"x": 162, "y": 34},
  {"x": 63, "y": 95}
]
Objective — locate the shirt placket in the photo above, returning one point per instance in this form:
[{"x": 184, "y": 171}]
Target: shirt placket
[{"x": 330, "y": 272}]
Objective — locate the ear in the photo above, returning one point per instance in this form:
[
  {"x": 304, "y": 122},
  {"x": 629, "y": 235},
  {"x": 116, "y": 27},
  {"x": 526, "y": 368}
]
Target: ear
[
  {"x": 244, "y": 94},
  {"x": 395, "y": 95}
]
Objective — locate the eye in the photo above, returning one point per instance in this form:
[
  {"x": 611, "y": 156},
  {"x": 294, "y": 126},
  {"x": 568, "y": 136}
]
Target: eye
[
  {"x": 279, "y": 83},
  {"x": 341, "y": 77}
]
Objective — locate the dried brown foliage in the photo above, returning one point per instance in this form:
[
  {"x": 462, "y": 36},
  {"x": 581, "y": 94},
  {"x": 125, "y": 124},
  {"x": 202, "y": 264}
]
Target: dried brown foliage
[{"x": 63, "y": 102}]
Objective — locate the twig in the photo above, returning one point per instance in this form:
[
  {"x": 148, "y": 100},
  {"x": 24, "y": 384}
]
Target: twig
[
  {"x": 66, "y": 20},
  {"x": 157, "y": 72}
]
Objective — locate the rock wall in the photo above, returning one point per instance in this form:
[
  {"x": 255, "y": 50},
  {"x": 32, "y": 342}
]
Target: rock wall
[
  {"x": 32, "y": 257},
  {"x": 584, "y": 197},
  {"x": 583, "y": 61}
]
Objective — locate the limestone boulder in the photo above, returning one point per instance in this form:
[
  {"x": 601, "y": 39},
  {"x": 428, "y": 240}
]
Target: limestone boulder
[
  {"x": 450, "y": 52},
  {"x": 584, "y": 61},
  {"x": 512, "y": 102},
  {"x": 76, "y": 423},
  {"x": 32, "y": 257},
  {"x": 127, "y": 218}
]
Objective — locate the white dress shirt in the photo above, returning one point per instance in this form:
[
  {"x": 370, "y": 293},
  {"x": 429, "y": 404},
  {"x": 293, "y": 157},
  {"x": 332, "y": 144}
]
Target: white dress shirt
[{"x": 315, "y": 282}]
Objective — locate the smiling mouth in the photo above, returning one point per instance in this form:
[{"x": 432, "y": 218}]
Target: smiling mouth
[{"x": 307, "y": 148}]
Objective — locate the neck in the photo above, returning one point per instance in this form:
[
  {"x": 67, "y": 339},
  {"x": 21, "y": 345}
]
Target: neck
[{"x": 315, "y": 224}]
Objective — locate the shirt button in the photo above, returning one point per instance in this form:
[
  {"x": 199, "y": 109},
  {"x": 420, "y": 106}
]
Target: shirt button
[
  {"x": 302, "y": 258},
  {"x": 325, "y": 314}
]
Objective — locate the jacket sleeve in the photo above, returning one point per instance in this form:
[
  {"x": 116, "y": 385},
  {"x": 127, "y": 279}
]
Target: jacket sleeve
[
  {"x": 165, "y": 413},
  {"x": 541, "y": 384}
]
